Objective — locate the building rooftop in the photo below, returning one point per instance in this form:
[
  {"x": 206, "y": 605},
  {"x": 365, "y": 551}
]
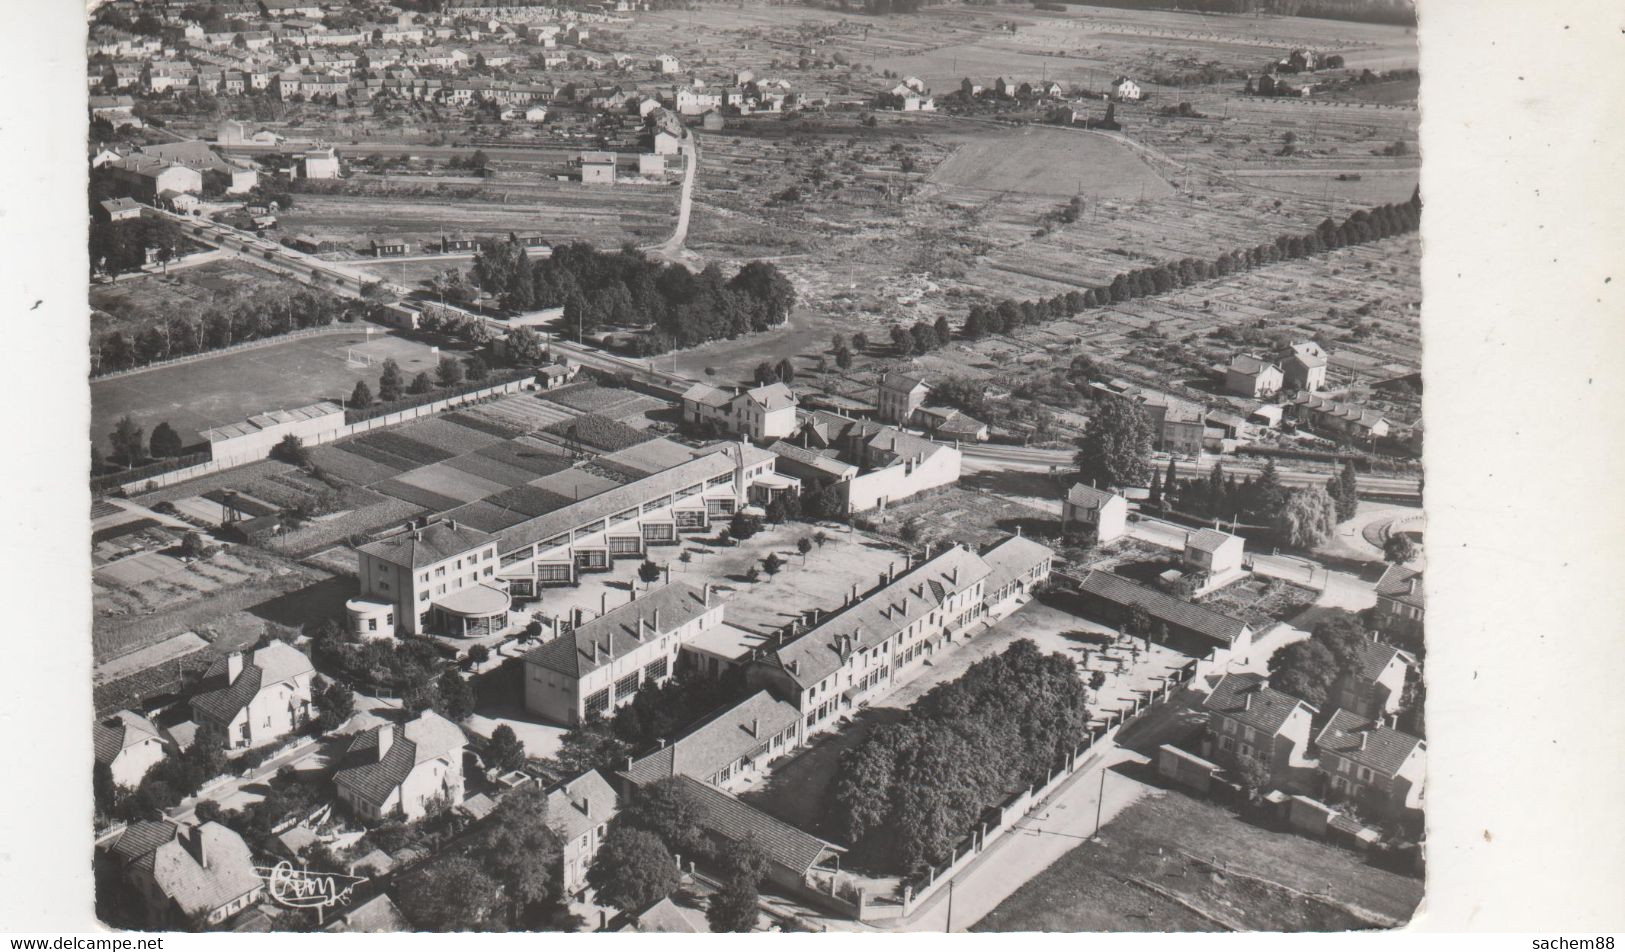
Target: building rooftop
[
  {"x": 1012, "y": 559},
  {"x": 1249, "y": 700},
  {"x": 729, "y": 818},
  {"x": 740, "y": 731},
  {"x": 1402, "y": 585},
  {"x": 706, "y": 395},
  {"x": 1210, "y": 540},
  {"x": 475, "y": 600},
  {"x": 823, "y": 461},
  {"x": 621, "y": 630},
  {"x": 1085, "y": 496},
  {"x": 1163, "y": 607},
  {"x": 429, "y": 545},
  {"x": 902, "y": 383},
  {"x": 120, "y": 731},
  {"x": 221, "y": 698},
  {"x": 373, "y": 777},
  {"x": 772, "y": 396},
  {"x": 578, "y": 805},
  {"x": 1367, "y": 743},
  {"x": 1251, "y": 364}
]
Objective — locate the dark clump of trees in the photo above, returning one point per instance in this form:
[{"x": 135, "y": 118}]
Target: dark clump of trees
[
  {"x": 911, "y": 790},
  {"x": 263, "y": 314},
  {"x": 1310, "y": 669},
  {"x": 1362, "y": 226},
  {"x": 658, "y": 711},
  {"x": 599, "y": 289}
]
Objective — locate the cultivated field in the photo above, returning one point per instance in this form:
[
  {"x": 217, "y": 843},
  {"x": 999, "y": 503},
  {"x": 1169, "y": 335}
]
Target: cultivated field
[
  {"x": 1057, "y": 162},
  {"x": 1174, "y": 863},
  {"x": 136, "y": 302},
  {"x": 228, "y": 388}
]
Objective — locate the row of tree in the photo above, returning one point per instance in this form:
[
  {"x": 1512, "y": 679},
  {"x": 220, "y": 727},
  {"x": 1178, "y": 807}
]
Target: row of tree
[
  {"x": 624, "y": 288},
  {"x": 1360, "y": 227},
  {"x": 268, "y": 313},
  {"x": 911, "y": 790}
]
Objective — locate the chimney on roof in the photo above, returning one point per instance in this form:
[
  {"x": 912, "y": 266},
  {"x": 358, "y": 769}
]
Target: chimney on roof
[
  {"x": 628, "y": 761},
  {"x": 854, "y": 596},
  {"x": 451, "y": 523},
  {"x": 597, "y": 650},
  {"x": 192, "y": 840},
  {"x": 603, "y": 603},
  {"x": 386, "y": 739},
  {"x": 707, "y": 594},
  {"x": 586, "y": 805},
  {"x": 234, "y": 667},
  {"x": 667, "y": 573},
  {"x": 755, "y": 727},
  {"x": 891, "y": 572},
  {"x": 640, "y": 628},
  {"x": 1363, "y": 735},
  {"x": 1247, "y": 701},
  {"x": 417, "y": 535},
  {"x": 795, "y": 666},
  {"x": 928, "y": 551},
  {"x": 662, "y": 744}
]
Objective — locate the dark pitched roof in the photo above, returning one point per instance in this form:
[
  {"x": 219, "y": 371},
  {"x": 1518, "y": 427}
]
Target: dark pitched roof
[
  {"x": 1208, "y": 540},
  {"x": 1375, "y": 656},
  {"x": 1248, "y": 699},
  {"x": 578, "y": 805},
  {"x": 1088, "y": 496},
  {"x": 121, "y": 730},
  {"x": 222, "y": 699},
  {"x": 1012, "y": 559},
  {"x": 436, "y": 543},
  {"x": 616, "y": 633},
  {"x": 904, "y": 383},
  {"x": 1163, "y": 607},
  {"x": 374, "y": 778},
  {"x": 1250, "y": 364},
  {"x": 1396, "y": 584},
  {"x": 735, "y": 733},
  {"x": 139, "y": 839},
  {"x": 1367, "y": 743},
  {"x": 726, "y": 816}
]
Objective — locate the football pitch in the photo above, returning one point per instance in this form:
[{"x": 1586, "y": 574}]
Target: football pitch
[{"x": 228, "y": 388}]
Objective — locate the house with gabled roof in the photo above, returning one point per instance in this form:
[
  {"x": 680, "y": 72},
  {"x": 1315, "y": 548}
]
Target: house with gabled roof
[
  {"x": 400, "y": 770},
  {"x": 1098, "y": 514},
  {"x": 1375, "y": 685},
  {"x": 258, "y": 700},
  {"x": 128, "y": 745},
  {"x": 797, "y": 861},
  {"x": 1216, "y": 556},
  {"x": 599, "y": 665},
  {"x": 579, "y": 811},
  {"x": 1336, "y": 416},
  {"x": 766, "y": 412},
  {"x": 1382, "y": 770},
  {"x": 900, "y": 395},
  {"x": 1252, "y": 376},
  {"x": 1401, "y": 600},
  {"x": 868, "y": 644},
  {"x": 1185, "y": 626},
  {"x": 1016, "y": 567},
  {"x": 948, "y": 423},
  {"x": 433, "y": 577},
  {"x": 1249, "y": 719},
  {"x": 1304, "y": 367},
  {"x": 186, "y": 875}
]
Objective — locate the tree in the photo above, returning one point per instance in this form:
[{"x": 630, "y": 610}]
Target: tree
[
  {"x": 126, "y": 440},
  {"x": 449, "y": 372},
  {"x": 454, "y": 698},
  {"x": 743, "y": 526},
  {"x": 389, "y": 385},
  {"x": 1307, "y": 519},
  {"x": 475, "y": 368},
  {"x": 843, "y": 358},
  {"x": 451, "y": 895},
  {"x": 804, "y": 545},
  {"x": 772, "y": 563},
  {"x": 786, "y": 371},
  {"x": 518, "y": 850},
  {"x": 1305, "y": 669},
  {"x": 478, "y": 654},
  {"x": 633, "y": 870},
  {"x": 649, "y": 572},
  {"x": 193, "y": 546},
  {"x": 1252, "y": 773},
  {"x": 588, "y": 746},
  {"x": 734, "y": 907},
  {"x": 860, "y": 342},
  {"x": 820, "y": 537},
  {"x": 667, "y": 809},
  {"x": 911, "y": 530},
  {"x": 902, "y": 341},
  {"x": 943, "y": 332},
  {"x": 1398, "y": 549},
  {"x": 334, "y": 703},
  {"x": 505, "y": 751},
  {"x": 165, "y": 441},
  {"x": 525, "y": 346},
  {"x": 291, "y": 449},
  {"x": 361, "y": 396},
  {"x": 1266, "y": 500},
  {"x": 1115, "y": 450},
  {"x": 421, "y": 384},
  {"x": 764, "y": 374}
]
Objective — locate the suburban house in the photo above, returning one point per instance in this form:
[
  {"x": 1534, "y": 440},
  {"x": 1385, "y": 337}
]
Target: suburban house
[
  {"x": 230, "y": 177},
  {"x": 579, "y": 811},
  {"x": 899, "y": 396},
  {"x": 1380, "y": 769},
  {"x": 389, "y": 247},
  {"x": 597, "y": 168},
  {"x": 1350, "y": 419},
  {"x": 1305, "y": 367},
  {"x": 863, "y": 648},
  {"x": 761, "y": 413},
  {"x": 1125, "y": 89},
  {"x": 892, "y": 464},
  {"x": 128, "y": 745},
  {"x": 947, "y": 423},
  {"x": 598, "y": 666},
  {"x": 1016, "y": 567},
  {"x": 400, "y": 770},
  {"x": 433, "y": 577},
  {"x": 118, "y": 209},
  {"x": 1248, "y": 718},
  {"x": 1215, "y": 557},
  {"x": 1100, "y": 515},
  {"x": 257, "y": 701},
  {"x": 145, "y": 177},
  {"x": 1252, "y": 376},
  {"x": 1185, "y": 626},
  {"x": 727, "y": 750},
  {"x": 186, "y": 874},
  {"x": 1177, "y": 425},
  {"x": 1401, "y": 600},
  {"x": 1376, "y": 685}
]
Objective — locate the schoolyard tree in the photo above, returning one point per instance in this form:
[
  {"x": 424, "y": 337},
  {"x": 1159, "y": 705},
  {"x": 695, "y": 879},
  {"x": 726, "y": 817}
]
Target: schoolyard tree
[
  {"x": 165, "y": 442},
  {"x": 390, "y": 383},
  {"x": 126, "y": 441},
  {"x": 475, "y": 368},
  {"x": 505, "y": 751},
  {"x": 1398, "y": 549},
  {"x": 361, "y": 396},
  {"x": 449, "y": 372},
  {"x": 804, "y": 545},
  {"x": 421, "y": 384},
  {"x": 633, "y": 870},
  {"x": 453, "y": 697},
  {"x": 772, "y": 563},
  {"x": 590, "y": 745},
  {"x": 1115, "y": 450},
  {"x": 649, "y": 572},
  {"x": 743, "y": 526}
]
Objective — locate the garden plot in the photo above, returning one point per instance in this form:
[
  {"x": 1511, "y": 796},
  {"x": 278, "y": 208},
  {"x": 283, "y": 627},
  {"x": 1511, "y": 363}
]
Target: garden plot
[
  {"x": 492, "y": 469},
  {"x": 449, "y": 437},
  {"x": 522, "y": 412},
  {"x": 444, "y": 480},
  {"x": 1052, "y": 162},
  {"x": 362, "y": 470}
]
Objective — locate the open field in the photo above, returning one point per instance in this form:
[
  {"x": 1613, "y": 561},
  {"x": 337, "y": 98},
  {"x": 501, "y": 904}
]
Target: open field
[
  {"x": 229, "y": 388},
  {"x": 1058, "y": 162},
  {"x": 134, "y": 303},
  {"x": 1169, "y": 843}
]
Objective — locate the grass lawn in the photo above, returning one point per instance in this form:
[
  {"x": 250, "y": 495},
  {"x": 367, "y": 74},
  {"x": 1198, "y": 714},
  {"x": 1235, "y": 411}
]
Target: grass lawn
[
  {"x": 1173, "y": 845},
  {"x": 229, "y": 388}
]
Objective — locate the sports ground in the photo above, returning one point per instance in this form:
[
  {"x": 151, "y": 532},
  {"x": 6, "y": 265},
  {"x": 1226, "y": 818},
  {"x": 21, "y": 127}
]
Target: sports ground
[{"x": 228, "y": 388}]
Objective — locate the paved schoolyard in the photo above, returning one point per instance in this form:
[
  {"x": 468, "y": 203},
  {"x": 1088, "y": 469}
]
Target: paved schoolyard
[{"x": 228, "y": 388}]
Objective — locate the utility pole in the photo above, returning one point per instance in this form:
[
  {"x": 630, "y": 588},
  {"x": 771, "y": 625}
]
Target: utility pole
[
  {"x": 1100, "y": 801},
  {"x": 950, "y": 906}
]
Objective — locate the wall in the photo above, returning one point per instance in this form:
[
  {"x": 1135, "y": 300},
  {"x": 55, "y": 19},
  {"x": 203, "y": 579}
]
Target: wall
[
  {"x": 255, "y": 454},
  {"x": 895, "y": 483}
]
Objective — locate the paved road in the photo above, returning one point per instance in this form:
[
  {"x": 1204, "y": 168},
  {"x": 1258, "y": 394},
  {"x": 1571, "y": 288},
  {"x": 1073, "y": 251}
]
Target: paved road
[
  {"x": 672, "y": 249},
  {"x": 1037, "y": 459}
]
